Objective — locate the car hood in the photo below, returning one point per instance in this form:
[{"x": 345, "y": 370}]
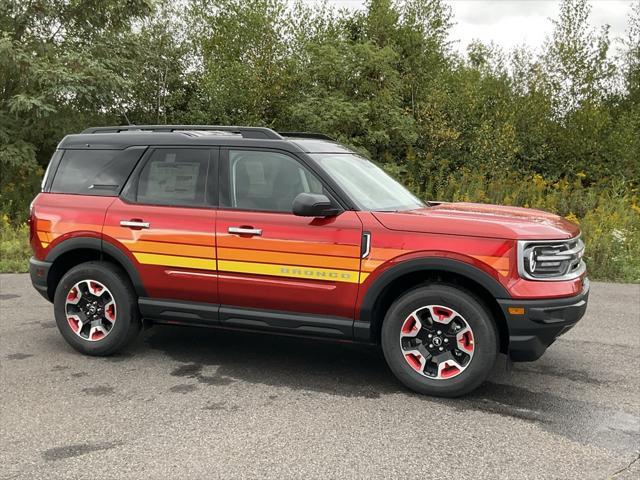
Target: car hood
[{"x": 481, "y": 220}]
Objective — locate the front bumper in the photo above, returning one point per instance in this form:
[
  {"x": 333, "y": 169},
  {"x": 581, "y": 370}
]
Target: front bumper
[
  {"x": 531, "y": 332},
  {"x": 39, "y": 271}
]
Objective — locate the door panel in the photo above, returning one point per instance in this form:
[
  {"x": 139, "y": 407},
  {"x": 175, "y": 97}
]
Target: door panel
[
  {"x": 175, "y": 255},
  {"x": 165, "y": 220},
  {"x": 297, "y": 264}
]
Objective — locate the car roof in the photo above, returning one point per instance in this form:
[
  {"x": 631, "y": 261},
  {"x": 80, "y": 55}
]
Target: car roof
[{"x": 121, "y": 137}]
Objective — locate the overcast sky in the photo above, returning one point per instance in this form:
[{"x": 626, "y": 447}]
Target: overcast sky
[{"x": 510, "y": 23}]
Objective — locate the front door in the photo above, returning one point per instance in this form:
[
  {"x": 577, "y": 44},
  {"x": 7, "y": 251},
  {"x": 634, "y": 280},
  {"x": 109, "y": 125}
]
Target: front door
[
  {"x": 274, "y": 261},
  {"x": 165, "y": 222}
]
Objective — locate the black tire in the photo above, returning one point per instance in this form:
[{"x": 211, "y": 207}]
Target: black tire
[
  {"x": 127, "y": 324},
  {"x": 477, "y": 317}
]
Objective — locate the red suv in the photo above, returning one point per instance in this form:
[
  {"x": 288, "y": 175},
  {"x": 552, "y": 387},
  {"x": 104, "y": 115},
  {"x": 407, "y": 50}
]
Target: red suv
[{"x": 246, "y": 228}]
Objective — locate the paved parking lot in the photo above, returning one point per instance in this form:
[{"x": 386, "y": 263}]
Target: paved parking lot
[{"x": 197, "y": 403}]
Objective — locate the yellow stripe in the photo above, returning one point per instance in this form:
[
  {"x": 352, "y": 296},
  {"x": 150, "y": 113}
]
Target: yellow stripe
[
  {"x": 44, "y": 244},
  {"x": 292, "y": 271},
  {"x": 176, "y": 261},
  {"x": 263, "y": 256}
]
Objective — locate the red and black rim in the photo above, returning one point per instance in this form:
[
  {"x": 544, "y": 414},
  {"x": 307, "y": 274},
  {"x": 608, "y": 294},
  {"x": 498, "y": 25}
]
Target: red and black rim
[
  {"x": 437, "y": 342},
  {"x": 91, "y": 310}
]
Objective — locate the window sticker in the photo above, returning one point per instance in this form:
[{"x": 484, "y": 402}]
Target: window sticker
[{"x": 173, "y": 180}]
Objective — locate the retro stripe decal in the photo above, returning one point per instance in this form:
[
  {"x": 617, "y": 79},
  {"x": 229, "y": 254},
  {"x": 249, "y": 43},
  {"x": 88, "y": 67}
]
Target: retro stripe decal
[
  {"x": 289, "y": 246},
  {"x": 176, "y": 261},
  {"x": 261, "y": 256},
  {"x": 273, "y": 263},
  {"x": 499, "y": 264},
  {"x": 310, "y": 272},
  {"x": 163, "y": 248},
  {"x": 294, "y": 271}
]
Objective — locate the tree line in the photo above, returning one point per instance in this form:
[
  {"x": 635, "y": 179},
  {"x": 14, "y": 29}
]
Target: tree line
[{"x": 385, "y": 79}]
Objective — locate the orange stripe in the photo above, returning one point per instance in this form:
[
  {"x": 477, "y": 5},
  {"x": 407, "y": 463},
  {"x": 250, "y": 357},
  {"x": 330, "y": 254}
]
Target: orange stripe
[
  {"x": 60, "y": 228},
  {"x": 370, "y": 265},
  {"x": 285, "y": 246},
  {"x": 180, "y": 249},
  {"x": 501, "y": 264},
  {"x": 323, "y": 261},
  {"x": 43, "y": 224},
  {"x": 44, "y": 236},
  {"x": 385, "y": 254},
  {"x": 161, "y": 235}
]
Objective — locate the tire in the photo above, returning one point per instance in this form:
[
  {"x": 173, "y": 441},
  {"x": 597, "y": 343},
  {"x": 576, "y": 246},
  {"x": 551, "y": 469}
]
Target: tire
[
  {"x": 410, "y": 320},
  {"x": 119, "y": 323}
]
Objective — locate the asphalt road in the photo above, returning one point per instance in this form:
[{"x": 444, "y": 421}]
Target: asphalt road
[{"x": 197, "y": 403}]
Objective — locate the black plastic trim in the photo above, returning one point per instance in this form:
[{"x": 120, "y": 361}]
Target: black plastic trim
[
  {"x": 246, "y": 132},
  {"x": 74, "y": 243},
  {"x": 176, "y": 311},
  {"x": 39, "y": 272},
  {"x": 543, "y": 321},
  {"x": 313, "y": 135},
  {"x": 289, "y": 322},
  {"x": 100, "y": 246},
  {"x": 426, "y": 265},
  {"x": 237, "y": 318},
  {"x": 113, "y": 251}
]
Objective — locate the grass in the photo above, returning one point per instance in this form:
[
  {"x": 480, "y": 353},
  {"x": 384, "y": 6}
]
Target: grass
[{"x": 14, "y": 247}]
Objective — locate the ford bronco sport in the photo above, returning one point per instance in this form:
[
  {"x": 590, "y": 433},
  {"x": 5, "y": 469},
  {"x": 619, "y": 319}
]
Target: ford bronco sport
[{"x": 292, "y": 233}]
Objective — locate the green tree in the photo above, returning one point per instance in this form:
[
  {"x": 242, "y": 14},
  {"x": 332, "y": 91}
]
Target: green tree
[{"x": 61, "y": 69}]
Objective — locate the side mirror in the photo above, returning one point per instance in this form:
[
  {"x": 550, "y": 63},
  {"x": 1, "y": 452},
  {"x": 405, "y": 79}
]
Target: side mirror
[{"x": 314, "y": 205}]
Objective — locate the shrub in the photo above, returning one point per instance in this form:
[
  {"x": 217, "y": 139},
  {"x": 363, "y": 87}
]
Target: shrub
[{"x": 14, "y": 246}]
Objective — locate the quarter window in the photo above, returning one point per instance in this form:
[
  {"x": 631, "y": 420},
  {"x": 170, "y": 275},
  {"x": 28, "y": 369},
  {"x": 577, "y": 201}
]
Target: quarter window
[
  {"x": 94, "y": 172},
  {"x": 268, "y": 181},
  {"x": 175, "y": 177}
]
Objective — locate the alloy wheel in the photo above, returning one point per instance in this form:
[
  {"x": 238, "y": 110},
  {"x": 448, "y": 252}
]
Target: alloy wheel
[
  {"x": 91, "y": 310},
  {"x": 437, "y": 342}
]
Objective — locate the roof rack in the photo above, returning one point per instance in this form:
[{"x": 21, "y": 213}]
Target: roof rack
[
  {"x": 318, "y": 136},
  {"x": 246, "y": 132}
]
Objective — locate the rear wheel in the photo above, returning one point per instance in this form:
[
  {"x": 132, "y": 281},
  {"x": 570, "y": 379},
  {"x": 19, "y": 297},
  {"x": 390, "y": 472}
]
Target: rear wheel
[
  {"x": 439, "y": 340},
  {"x": 96, "y": 309}
]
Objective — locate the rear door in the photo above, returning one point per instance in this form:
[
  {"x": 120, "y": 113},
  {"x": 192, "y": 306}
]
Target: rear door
[
  {"x": 277, "y": 262},
  {"x": 165, "y": 222}
]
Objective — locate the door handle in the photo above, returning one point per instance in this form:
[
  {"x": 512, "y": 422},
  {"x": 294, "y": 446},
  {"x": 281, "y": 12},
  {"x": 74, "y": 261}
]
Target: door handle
[
  {"x": 134, "y": 223},
  {"x": 245, "y": 230}
]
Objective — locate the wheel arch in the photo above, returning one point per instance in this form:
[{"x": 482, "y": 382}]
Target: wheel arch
[
  {"x": 410, "y": 274},
  {"x": 77, "y": 250}
]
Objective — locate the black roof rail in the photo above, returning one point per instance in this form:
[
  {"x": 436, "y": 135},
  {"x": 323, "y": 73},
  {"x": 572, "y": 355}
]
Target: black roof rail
[
  {"x": 318, "y": 136},
  {"x": 246, "y": 132}
]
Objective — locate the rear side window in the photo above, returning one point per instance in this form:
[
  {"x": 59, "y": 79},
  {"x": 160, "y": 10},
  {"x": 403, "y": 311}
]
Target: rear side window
[
  {"x": 95, "y": 172},
  {"x": 175, "y": 177}
]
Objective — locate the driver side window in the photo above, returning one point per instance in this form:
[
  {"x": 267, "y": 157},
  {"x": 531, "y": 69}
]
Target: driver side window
[{"x": 267, "y": 181}]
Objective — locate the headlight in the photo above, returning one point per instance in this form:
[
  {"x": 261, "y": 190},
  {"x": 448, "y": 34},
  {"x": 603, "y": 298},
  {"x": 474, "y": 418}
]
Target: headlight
[{"x": 551, "y": 260}]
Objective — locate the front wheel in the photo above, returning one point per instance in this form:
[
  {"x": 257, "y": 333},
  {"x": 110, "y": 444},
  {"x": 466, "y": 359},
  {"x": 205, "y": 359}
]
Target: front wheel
[
  {"x": 96, "y": 308},
  {"x": 439, "y": 340}
]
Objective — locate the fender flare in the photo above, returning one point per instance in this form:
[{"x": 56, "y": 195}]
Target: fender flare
[
  {"x": 425, "y": 265},
  {"x": 101, "y": 246}
]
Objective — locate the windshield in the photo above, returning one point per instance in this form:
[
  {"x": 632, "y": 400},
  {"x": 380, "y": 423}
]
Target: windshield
[{"x": 366, "y": 183}]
